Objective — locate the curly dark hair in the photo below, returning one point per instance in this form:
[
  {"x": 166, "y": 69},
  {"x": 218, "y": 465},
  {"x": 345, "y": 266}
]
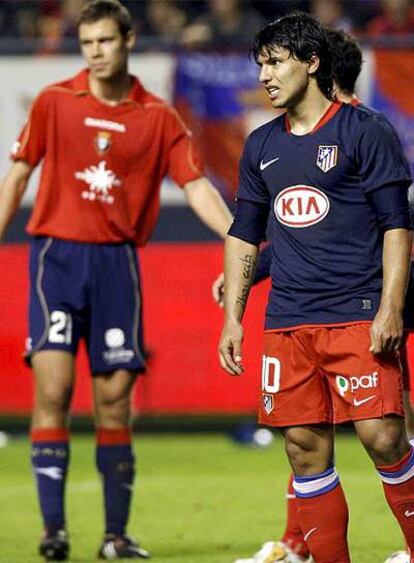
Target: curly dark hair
[
  {"x": 112, "y": 9},
  {"x": 347, "y": 59},
  {"x": 304, "y": 37}
]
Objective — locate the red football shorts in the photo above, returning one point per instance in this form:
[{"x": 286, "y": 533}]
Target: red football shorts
[
  {"x": 407, "y": 361},
  {"x": 327, "y": 375}
]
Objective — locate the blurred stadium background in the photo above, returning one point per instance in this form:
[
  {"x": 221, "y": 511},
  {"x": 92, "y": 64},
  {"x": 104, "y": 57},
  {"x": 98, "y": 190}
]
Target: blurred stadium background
[{"x": 193, "y": 53}]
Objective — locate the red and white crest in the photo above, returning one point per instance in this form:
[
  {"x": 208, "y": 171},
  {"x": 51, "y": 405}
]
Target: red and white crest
[
  {"x": 268, "y": 403},
  {"x": 103, "y": 141},
  {"x": 327, "y": 157},
  {"x": 301, "y": 206}
]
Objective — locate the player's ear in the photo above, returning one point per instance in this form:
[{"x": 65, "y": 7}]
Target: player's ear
[
  {"x": 130, "y": 40},
  {"x": 313, "y": 64}
]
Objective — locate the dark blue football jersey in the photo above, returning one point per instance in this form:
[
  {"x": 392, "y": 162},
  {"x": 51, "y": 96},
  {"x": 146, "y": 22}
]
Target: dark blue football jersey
[{"x": 324, "y": 225}]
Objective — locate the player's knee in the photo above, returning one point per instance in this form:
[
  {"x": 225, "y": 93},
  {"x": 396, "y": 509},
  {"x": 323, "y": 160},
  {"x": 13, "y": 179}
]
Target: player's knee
[
  {"x": 113, "y": 400},
  {"x": 113, "y": 411},
  {"x": 53, "y": 399},
  {"x": 309, "y": 452},
  {"x": 305, "y": 459},
  {"x": 300, "y": 460},
  {"x": 387, "y": 446}
]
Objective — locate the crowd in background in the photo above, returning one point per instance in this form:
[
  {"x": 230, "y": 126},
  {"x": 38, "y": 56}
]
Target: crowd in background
[{"x": 49, "y": 26}]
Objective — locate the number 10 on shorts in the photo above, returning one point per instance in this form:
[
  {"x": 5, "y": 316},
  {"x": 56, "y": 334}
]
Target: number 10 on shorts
[{"x": 270, "y": 374}]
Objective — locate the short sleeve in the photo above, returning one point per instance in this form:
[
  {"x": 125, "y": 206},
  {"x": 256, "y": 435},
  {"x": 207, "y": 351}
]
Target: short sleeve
[
  {"x": 379, "y": 156},
  {"x": 251, "y": 185},
  {"x": 31, "y": 143},
  {"x": 184, "y": 161}
]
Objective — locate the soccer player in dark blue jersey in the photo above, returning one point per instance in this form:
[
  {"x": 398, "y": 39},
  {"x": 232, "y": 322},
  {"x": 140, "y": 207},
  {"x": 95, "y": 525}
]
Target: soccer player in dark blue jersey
[
  {"x": 333, "y": 181},
  {"x": 346, "y": 67}
]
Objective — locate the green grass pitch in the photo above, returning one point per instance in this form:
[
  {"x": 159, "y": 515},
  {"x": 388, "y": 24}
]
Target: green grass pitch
[{"x": 199, "y": 499}]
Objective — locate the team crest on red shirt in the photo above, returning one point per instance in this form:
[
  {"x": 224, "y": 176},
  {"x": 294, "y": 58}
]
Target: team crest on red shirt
[
  {"x": 103, "y": 141},
  {"x": 327, "y": 157}
]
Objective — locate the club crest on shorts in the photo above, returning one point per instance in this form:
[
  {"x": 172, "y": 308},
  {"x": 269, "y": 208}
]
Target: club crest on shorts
[
  {"x": 103, "y": 141},
  {"x": 327, "y": 157},
  {"x": 268, "y": 403}
]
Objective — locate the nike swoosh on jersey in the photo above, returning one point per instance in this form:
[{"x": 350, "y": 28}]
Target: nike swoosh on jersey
[
  {"x": 408, "y": 513},
  {"x": 362, "y": 401},
  {"x": 264, "y": 165}
]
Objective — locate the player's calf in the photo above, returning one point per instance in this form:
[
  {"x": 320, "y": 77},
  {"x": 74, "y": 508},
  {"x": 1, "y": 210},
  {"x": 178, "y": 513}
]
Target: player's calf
[
  {"x": 50, "y": 461},
  {"x": 398, "y": 486},
  {"x": 116, "y": 463},
  {"x": 323, "y": 516}
]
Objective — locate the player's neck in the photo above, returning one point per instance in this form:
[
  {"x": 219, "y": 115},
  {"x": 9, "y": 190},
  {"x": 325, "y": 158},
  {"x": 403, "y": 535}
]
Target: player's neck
[
  {"x": 345, "y": 98},
  {"x": 111, "y": 91},
  {"x": 306, "y": 113}
]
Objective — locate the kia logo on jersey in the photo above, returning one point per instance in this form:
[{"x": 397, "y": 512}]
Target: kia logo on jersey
[{"x": 301, "y": 206}]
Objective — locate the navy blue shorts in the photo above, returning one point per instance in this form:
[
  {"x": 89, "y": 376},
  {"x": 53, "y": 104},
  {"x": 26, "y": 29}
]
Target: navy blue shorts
[{"x": 91, "y": 291}]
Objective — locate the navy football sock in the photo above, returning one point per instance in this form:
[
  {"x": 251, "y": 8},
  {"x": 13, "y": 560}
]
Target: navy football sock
[
  {"x": 116, "y": 463},
  {"x": 50, "y": 459}
]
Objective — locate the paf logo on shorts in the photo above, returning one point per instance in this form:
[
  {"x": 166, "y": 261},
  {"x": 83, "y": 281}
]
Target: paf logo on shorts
[
  {"x": 355, "y": 382},
  {"x": 327, "y": 157},
  {"x": 301, "y": 206},
  {"x": 342, "y": 384}
]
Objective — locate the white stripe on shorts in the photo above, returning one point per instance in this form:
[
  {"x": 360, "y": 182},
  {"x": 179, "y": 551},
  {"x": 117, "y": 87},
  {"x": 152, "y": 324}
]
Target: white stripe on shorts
[
  {"x": 41, "y": 295},
  {"x": 135, "y": 326}
]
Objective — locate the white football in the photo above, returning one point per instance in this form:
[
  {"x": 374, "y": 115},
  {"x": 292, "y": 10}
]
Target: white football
[{"x": 398, "y": 557}]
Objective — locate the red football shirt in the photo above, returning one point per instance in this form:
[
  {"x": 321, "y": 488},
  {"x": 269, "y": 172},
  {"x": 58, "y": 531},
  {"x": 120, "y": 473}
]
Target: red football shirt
[{"x": 103, "y": 165}]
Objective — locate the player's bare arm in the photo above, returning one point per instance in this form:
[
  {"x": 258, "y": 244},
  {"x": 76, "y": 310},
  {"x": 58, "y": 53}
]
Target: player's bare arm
[
  {"x": 217, "y": 290},
  {"x": 262, "y": 272},
  {"x": 239, "y": 266},
  {"x": 208, "y": 205},
  {"x": 11, "y": 192},
  {"x": 387, "y": 326}
]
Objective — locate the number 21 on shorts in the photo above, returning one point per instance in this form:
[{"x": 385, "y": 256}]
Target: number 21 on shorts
[
  {"x": 270, "y": 374},
  {"x": 60, "y": 330}
]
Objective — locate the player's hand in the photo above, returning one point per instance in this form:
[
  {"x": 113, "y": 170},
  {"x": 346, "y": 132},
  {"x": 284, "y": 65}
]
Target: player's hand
[
  {"x": 230, "y": 348},
  {"x": 386, "y": 331},
  {"x": 217, "y": 290}
]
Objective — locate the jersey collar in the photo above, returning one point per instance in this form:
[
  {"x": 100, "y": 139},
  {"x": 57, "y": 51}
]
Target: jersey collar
[
  {"x": 327, "y": 116},
  {"x": 81, "y": 85}
]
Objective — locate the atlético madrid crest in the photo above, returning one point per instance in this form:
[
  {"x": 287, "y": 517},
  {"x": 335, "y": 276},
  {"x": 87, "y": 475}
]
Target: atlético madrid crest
[
  {"x": 103, "y": 141},
  {"x": 327, "y": 157},
  {"x": 268, "y": 403}
]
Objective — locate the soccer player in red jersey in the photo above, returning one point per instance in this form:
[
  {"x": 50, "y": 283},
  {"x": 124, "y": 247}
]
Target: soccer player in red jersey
[
  {"x": 332, "y": 332},
  {"x": 106, "y": 144}
]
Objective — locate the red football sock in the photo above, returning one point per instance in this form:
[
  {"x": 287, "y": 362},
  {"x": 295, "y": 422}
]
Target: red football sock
[
  {"x": 398, "y": 485},
  {"x": 323, "y": 517},
  {"x": 293, "y": 535}
]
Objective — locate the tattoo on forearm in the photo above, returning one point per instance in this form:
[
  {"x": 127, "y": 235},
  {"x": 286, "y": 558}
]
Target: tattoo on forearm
[
  {"x": 242, "y": 299},
  {"x": 248, "y": 263}
]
